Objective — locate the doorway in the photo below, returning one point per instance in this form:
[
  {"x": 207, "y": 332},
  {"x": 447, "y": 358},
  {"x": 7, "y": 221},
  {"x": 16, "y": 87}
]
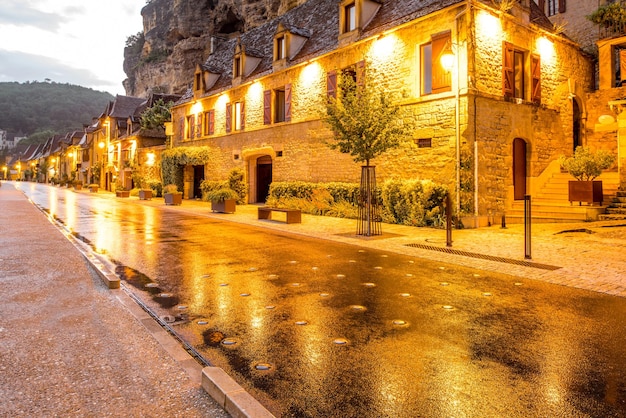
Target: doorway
[
  {"x": 198, "y": 177},
  {"x": 263, "y": 177},
  {"x": 576, "y": 125},
  {"x": 519, "y": 169}
]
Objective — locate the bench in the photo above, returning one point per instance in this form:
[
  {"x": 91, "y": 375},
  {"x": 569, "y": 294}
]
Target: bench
[{"x": 293, "y": 216}]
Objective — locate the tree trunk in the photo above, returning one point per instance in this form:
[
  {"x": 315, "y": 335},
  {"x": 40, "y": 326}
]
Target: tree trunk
[{"x": 369, "y": 222}]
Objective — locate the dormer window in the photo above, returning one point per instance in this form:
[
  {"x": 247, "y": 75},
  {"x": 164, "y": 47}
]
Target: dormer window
[
  {"x": 281, "y": 48},
  {"x": 237, "y": 70},
  {"x": 355, "y": 15},
  {"x": 349, "y": 15}
]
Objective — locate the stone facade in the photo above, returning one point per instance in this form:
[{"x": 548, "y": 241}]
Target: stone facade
[{"x": 465, "y": 133}]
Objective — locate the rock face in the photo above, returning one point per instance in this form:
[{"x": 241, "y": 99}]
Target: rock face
[{"x": 177, "y": 36}]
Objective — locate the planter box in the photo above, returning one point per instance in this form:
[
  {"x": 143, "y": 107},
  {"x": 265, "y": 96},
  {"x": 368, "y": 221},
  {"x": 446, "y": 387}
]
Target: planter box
[
  {"x": 78, "y": 187},
  {"x": 145, "y": 194},
  {"x": 224, "y": 206},
  {"x": 586, "y": 191},
  {"x": 122, "y": 193},
  {"x": 173, "y": 198},
  {"x": 93, "y": 189}
]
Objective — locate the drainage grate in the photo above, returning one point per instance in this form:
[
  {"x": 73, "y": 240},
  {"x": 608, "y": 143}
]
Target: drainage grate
[{"x": 485, "y": 257}]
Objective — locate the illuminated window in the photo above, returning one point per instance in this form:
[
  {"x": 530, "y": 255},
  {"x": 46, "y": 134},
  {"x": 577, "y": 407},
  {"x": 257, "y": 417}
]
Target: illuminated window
[
  {"x": 435, "y": 78},
  {"x": 191, "y": 126},
  {"x": 235, "y": 116},
  {"x": 349, "y": 17},
  {"x": 515, "y": 76},
  {"x": 237, "y": 70}
]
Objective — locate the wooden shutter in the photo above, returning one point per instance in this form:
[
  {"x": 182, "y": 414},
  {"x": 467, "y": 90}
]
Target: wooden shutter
[
  {"x": 243, "y": 116},
  {"x": 561, "y": 6},
  {"x": 441, "y": 79},
  {"x": 536, "y": 79},
  {"x": 229, "y": 117},
  {"x": 542, "y": 6},
  {"x": 267, "y": 107},
  {"x": 199, "y": 125},
  {"x": 181, "y": 132},
  {"x": 211, "y": 122},
  {"x": 507, "y": 70},
  {"x": 360, "y": 73},
  {"x": 287, "y": 102},
  {"x": 331, "y": 84},
  {"x": 191, "y": 121}
]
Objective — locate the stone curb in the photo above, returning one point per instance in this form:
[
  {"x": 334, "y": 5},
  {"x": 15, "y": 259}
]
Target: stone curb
[{"x": 214, "y": 380}]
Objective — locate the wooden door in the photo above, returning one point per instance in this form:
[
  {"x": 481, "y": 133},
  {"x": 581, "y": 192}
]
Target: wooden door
[{"x": 519, "y": 168}]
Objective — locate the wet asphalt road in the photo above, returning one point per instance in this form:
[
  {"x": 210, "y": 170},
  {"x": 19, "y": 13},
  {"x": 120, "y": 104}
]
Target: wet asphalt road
[{"x": 314, "y": 328}]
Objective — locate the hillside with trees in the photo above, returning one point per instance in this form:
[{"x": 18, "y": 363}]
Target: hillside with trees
[{"x": 38, "y": 109}]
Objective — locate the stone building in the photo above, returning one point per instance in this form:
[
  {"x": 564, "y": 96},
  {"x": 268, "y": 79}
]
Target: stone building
[{"x": 491, "y": 119}]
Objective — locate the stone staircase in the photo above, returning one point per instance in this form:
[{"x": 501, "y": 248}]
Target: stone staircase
[
  {"x": 550, "y": 201},
  {"x": 617, "y": 209}
]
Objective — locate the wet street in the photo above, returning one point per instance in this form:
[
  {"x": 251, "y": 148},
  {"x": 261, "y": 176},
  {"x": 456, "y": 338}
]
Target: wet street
[{"x": 315, "y": 328}]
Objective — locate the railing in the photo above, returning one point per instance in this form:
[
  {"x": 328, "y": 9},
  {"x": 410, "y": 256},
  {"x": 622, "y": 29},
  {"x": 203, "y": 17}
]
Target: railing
[{"x": 613, "y": 29}]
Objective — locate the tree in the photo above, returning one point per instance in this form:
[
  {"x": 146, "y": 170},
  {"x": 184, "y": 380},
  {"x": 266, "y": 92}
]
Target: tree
[
  {"x": 366, "y": 123},
  {"x": 156, "y": 115}
]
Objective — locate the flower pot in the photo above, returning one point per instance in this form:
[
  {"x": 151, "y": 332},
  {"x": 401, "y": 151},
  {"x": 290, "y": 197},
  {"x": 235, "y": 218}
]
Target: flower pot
[
  {"x": 224, "y": 206},
  {"x": 93, "y": 189},
  {"x": 145, "y": 194},
  {"x": 78, "y": 186},
  {"x": 122, "y": 193},
  {"x": 173, "y": 198},
  {"x": 585, "y": 191}
]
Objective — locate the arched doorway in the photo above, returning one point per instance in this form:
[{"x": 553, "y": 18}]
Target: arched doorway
[
  {"x": 576, "y": 124},
  {"x": 519, "y": 168},
  {"x": 263, "y": 177}
]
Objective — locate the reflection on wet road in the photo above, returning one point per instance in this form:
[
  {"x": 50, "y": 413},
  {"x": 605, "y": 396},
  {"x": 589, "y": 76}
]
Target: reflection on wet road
[{"x": 314, "y": 328}]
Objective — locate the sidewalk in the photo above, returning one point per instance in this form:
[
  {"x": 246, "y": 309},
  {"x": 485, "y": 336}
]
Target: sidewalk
[
  {"x": 71, "y": 347},
  {"x": 585, "y": 255}
]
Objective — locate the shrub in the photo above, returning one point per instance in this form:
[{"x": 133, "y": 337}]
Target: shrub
[
  {"x": 586, "y": 165},
  {"x": 170, "y": 188}
]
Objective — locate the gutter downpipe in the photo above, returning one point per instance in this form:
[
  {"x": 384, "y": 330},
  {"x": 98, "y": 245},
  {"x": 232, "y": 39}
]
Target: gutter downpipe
[{"x": 457, "y": 112}]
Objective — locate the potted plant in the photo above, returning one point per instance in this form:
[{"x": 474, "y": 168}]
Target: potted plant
[
  {"x": 222, "y": 200},
  {"x": 585, "y": 166},
  {"x": 171, "y": 195},
  {"x": 93, "y": 188},
  {"x": 78, "y": 185},
  {"x": 145, "y": 193},
  {"x": 120, "y": 190}
]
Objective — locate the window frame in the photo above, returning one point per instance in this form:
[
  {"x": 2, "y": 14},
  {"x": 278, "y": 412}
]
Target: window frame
[
  {"x": 521, "y": 80},
  {"x": 434, "y": 78},
  {"x": 349, "y": 17},
  {"x": 208, "y": 120}
]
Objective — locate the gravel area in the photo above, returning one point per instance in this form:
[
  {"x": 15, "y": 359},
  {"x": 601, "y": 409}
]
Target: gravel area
[{"x": 68, "y": 347}]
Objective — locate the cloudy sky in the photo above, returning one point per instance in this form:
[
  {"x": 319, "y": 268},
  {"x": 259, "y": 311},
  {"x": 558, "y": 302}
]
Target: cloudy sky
[{"x": 67, "y": 41}]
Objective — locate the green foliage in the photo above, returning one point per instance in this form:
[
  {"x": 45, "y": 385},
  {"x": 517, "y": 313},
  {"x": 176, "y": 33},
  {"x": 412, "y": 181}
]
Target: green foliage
[
  {"x": 135, "y": 42},
  {"x": 156, "y": 55},
  {"x": 173, "y": 161},
  {"x": 156, "y": 115},
  {"x": 364, "y": 121},
  {"x": 46, "y": 108},
  {"x": 237, "y": 182},
  {"x": 156, "y": 187},
  {"x": 586, "y": 165},
  {"x": 219, "y": 195},
  {"x": 609, "y": 14},
  {"x": 209, "y": 186},
  {"x": 170, "y": 189},
  {"x": 407, "y": 202}
]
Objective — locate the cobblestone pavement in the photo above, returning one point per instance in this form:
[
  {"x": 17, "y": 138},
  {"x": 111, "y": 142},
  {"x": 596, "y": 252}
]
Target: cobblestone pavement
[{"x": 67, "y": 348}]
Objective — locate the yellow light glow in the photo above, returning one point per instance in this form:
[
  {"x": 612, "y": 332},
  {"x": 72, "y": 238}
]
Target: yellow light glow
[
  {"x": 546, "y": 49},
  {"x": 311, "y": 74},
  {"x": 254, "y": 95},
  {"x": 488, "y": 25},
  {"x": 150, "y": 158},
  {"x": 101, "y": 144},
  {"x": 196, "y": 108},
  {"x": 384, "y": 48},
  {"x": 447, "y": 60},
  {"x": 222, "y": 100}
]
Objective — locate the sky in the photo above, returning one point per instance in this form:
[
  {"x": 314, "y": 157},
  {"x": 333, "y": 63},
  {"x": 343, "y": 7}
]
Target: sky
[{"x": 67, "y": 41}]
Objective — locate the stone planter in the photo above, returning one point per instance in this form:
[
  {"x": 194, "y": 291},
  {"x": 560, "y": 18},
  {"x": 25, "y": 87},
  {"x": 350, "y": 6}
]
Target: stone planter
[
  {"x": 145, "y": 194},
  {"x": 173, "y": 198},
  {"x": 78, "y": 186},
  {"x": 224, "y": 206},
  {"x": 122, "y": 193},
  {"x": 585, "y": 191},
  {"x": 93, "y": 189}
]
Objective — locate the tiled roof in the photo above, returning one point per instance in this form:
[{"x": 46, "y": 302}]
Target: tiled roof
[{"x": 124, "y": 106}]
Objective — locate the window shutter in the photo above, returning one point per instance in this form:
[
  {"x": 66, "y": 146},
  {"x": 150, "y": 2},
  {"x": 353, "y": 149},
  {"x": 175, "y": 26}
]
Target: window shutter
[
  {"x": 331, "y": 84},
  {"x": 229, "y": 117},
  {"x": 287, "y": 102},
  {"x": 542, "y": 5},
  {"x": 536, "y": 75},
  {"x": 243, "y": 116},
  {"x": 211, "y": 122},
  {"x": 192, "y": 126},
  {"x": 441, "y": 79},
  {"x": 267, "y": 107},
  {"x": 181, "y": 131},
  {"x": 507, "y": 71},
  {"x": 561, "y": 6},
  {"x": 360, "y": 73},
  {"x": 199, "y": 125}
]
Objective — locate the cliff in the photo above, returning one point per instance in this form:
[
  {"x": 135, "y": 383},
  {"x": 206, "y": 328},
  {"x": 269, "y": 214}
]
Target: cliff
[{"x": 177, "y": 36}]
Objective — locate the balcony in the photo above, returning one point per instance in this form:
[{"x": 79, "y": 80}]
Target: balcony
[{"x": 611, "y": 19}]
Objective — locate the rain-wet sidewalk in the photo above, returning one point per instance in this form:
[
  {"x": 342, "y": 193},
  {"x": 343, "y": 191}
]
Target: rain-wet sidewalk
[
  {"x": 71, "y": 347},
  {"x": 586, "y": 255}
]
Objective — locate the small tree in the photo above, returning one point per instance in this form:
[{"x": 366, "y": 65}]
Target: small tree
[
  {"x": 586, "y": 165},
  {"x": 365, "y": 123},
  {"x": 156, "y": 115}
]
